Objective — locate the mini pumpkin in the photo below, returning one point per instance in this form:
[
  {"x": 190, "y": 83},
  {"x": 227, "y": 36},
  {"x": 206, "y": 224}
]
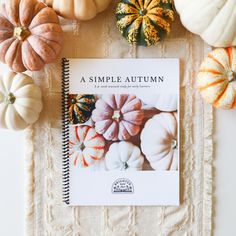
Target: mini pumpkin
[
  {"x": 163, "y": 102},
  {"x": 30, "y": 35},
  {"x": 217, "y": 78},
  {"x": 159, "y": 141},
  {"x": 80, "y": 108},
  {"x": 86, "y": 146},
  {"x": 144, "y": 22},
  {"x": 118, "y": 117},
  {"x": 214, "y": 21},
  {"x": 20, "y": 101},
  {"x": 78, "y": 9},
  {"x": 124, "y": 156}
]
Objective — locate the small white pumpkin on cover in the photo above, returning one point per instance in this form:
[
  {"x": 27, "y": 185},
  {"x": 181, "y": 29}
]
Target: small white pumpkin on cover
[
  {"x": 86, "y": 146},
  {"x": 159, "y": 141},
  {"x": 213, "y": 20},
  {"x": 20, "y": 101},
  {"x": 124, "y": 156},
  {"x": 163, "y": 102}
]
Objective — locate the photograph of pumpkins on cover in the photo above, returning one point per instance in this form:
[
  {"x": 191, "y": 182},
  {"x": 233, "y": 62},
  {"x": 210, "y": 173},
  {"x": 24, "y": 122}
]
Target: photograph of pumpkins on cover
[{"x": 123, "y": 132}]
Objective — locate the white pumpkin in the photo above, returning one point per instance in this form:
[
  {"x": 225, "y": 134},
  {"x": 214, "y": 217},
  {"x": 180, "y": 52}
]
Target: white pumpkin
[
  {"x": 124, "y": 156},
  {"x": 78, "y": 9},
  {"x": 163, "y": 102},
  {"x": 159, "y": 141},
  {"x": 86, "y": 146},
  {"x": 20, "y": 101},
  {"x": 213, "y": 20}
]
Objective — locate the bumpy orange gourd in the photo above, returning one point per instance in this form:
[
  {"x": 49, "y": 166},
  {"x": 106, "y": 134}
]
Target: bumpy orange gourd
[
  {"x": 30, "y": 35},
  {"x": 217, "y": 78}
]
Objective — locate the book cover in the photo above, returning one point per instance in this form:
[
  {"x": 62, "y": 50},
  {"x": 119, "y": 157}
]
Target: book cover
[{"x": 121, "y": 131}]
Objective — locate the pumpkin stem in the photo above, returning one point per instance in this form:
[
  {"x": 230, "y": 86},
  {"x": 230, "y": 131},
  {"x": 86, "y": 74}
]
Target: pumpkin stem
[
  {"x": 10, "y": 99},
  {"x": 82, "y": 147},
  {"x": 116, "y": 115},
  {"x": 21, "y": 33},
  {"x": 73, "y": 101},
  {"x": 143, "y": 12},
  {"x": 232, "y": 77},
  {"x": 174, "y": 144},
  {"x": 125, "y": 166}
]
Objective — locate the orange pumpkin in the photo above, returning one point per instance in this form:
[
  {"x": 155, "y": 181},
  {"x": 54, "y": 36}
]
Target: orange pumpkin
[
  {"x": 30, "y": 35},
  {"x": 86, "y": 146},
  {"x": 217, "y": 78}
]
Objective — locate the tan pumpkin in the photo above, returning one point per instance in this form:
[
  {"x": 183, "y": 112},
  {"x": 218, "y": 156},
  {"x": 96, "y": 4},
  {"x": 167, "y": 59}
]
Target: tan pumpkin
[
  {"x": 217, "y": 78},
  {"x": 30, "y": 35},
  {"x": 78, "y": 9}
]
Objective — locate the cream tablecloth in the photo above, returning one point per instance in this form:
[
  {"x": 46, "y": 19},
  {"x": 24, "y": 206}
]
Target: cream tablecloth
[{"x": 47, "y": 215}]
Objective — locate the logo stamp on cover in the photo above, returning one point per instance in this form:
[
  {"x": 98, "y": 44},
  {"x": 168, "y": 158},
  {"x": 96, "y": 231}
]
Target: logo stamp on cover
[{"x": 122, "y": 186}]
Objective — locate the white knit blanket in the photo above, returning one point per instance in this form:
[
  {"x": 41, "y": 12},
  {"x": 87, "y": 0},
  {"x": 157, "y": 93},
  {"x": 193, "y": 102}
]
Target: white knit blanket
[{"x": 47, "y": 215}]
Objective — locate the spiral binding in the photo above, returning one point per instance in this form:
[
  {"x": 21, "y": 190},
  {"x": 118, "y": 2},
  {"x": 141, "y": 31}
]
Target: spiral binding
[{"x": 65, "y": 132}]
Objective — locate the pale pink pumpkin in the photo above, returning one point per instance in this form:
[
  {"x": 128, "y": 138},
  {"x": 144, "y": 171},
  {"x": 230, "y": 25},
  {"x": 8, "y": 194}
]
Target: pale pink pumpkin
[
  {"x": 30, "y": 35},
  {"x": 159, "y": 141},
  {"x": 86, "y": 146},
  {"x": 118, "y": 117}
]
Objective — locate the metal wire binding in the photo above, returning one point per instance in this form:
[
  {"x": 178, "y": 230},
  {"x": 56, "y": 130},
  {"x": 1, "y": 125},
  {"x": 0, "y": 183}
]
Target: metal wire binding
[{"x": 65, "y": 132}]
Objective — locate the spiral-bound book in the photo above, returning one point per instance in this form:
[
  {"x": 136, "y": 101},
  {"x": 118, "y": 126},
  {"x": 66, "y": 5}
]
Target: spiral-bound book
[{"x": 120, "y": 131}]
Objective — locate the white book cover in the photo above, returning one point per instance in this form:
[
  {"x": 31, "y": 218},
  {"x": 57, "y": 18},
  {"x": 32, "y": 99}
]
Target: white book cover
[{"x": 121, "y": 132}]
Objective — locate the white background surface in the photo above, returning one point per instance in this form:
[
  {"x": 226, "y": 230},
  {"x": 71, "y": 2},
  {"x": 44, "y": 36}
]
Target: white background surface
[{"x": 12, "y": 178}]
